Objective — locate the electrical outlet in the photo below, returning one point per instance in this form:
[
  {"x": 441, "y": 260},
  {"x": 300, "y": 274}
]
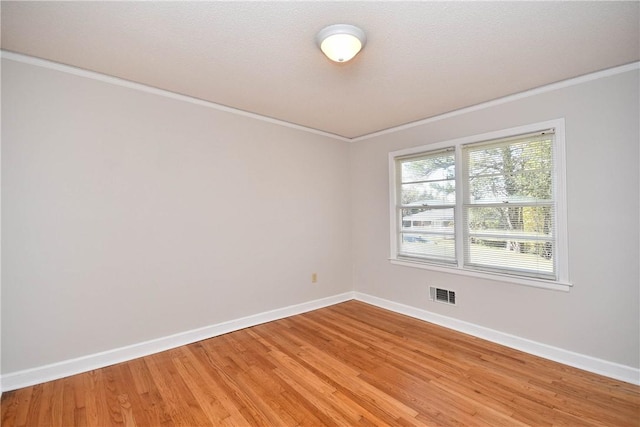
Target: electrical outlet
[{"x": 314, "y": 277}]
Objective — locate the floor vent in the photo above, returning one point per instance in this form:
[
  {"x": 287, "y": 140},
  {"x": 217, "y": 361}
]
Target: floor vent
[{"x": 442, "y": 295}]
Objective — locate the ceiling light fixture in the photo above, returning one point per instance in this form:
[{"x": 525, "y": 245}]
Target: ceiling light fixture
[{"x": 341, "y": 42}]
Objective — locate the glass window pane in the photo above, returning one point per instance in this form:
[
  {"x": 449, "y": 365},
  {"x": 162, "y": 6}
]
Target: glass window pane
[
  {"x": 434, "y": 167},
  {"x": 428, "y": 220},
  {"x": 510, "y": 172},
  {"x": 516, "y": 221},
  {"x": 533, "y": 153},
  {"x": 428, "y": 233},
  {"x": 429, "y": 193},
  {"x": 521, "y": 187},
  {"x": 434, "y": 247},
  {"x": 522, "y": 255}
]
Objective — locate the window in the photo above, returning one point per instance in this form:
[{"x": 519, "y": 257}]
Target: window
[
  {"x": 491, "y": 205},
  {"x": 426, "y": 205}
]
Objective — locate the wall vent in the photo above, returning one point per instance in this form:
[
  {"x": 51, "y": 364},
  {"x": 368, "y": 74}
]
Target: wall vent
[{"x": 442, "y": 295}]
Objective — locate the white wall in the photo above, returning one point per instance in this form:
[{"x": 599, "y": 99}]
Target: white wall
[
  {"x": 129, "y": 216},
  {"x": 599, "y": 317}
]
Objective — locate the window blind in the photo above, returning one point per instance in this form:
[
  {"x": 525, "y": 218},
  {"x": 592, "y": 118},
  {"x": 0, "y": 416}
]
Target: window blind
[
  {"x": 425, "y": 207},
  {"x": 508, "y": 209}
]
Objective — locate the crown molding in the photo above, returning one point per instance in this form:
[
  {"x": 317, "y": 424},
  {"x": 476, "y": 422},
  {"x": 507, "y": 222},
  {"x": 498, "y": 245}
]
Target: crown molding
[
  {"x": 509, "y": 98},
  {"x": 197, "y": 101},
  {"x": 44, "y": 63}
]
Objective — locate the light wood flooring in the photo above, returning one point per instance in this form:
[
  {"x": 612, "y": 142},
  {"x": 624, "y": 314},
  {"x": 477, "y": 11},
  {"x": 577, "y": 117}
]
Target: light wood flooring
[{"x": 349, "y": 364}]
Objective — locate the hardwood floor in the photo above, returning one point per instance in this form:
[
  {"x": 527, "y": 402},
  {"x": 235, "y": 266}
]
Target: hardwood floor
[{"x": 349, "y": 364}]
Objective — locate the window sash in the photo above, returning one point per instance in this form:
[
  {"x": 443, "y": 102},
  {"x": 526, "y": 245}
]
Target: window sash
[
  {"x": 425, "y": 222},
  {"x": 519, "y": 238}
]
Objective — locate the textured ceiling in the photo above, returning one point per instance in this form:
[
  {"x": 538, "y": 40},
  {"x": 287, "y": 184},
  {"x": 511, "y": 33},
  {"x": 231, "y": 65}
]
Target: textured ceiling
[{"x": 421, "y": 59}]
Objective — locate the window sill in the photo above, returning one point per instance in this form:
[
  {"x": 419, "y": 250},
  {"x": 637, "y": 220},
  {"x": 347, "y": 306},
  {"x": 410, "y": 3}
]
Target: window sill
[{"x": 544, "y": 284}]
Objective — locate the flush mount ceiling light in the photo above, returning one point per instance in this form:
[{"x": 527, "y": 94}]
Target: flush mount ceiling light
[{"x": 341, "y": 42}]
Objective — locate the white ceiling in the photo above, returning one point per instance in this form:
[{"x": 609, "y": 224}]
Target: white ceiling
[{"x": 422, "y": 59}]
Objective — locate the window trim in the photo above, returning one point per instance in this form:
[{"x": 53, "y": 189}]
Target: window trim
[{"x": 562, "y": 282}]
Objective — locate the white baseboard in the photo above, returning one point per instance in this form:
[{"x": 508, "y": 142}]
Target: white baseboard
[
  {"x": 28, "y": 377},
  {"x": 577, "y": 360}
]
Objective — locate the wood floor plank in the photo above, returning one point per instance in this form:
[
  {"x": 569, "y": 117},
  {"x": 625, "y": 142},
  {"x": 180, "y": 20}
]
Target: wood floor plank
[
  {"x": 10, "y": 404},
  {"x": 181, "y": 403},
  {"x": 98, "y": 409},
  {"x": 325, "y": 399},
  {"x": 219, "y": 398},
  {"x": 46, "y": 407},
  {"x": 326, "y": 404},
  {"x": 56, "y": 404},
  {"x": 156, "y": 411},
  {"x": 69, "y": 402},
  {"x": 35, "y": 403},
  {"x": 211, "y": 406},
  {"x": 225, "y": 372},
  {"x": 112, "y": 391},
  {"x": 131, "y": 404},
  {"x": 350, "y": 364}
]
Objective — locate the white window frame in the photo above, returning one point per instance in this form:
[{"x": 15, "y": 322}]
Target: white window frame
[{"x": 562, "y": 282}]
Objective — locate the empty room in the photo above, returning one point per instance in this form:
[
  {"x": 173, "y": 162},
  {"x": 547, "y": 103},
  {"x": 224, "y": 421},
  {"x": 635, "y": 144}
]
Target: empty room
[{"x": 318, "y": 213}]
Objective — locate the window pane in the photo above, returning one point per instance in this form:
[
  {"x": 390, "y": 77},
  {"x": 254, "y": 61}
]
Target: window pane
[
  {"x": 531, "y": 153},
  {"x": 511, "y": 238},
  {"x": 515, "y": 172},
  {"x": 498, "y": 254},
  {"x": 435, "y": 248},
  {"x": 428, "y": 233},
  {"x": 438, "y": 166},
  {"x": 429, "y": 193},
  {"x": 519, "y": 187},
  {"x": 516, "y": 221},
  {"x": 428, "y": 220}
]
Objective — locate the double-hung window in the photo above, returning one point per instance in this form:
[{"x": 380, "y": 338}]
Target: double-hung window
[{"x": 491, "y": 205}]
